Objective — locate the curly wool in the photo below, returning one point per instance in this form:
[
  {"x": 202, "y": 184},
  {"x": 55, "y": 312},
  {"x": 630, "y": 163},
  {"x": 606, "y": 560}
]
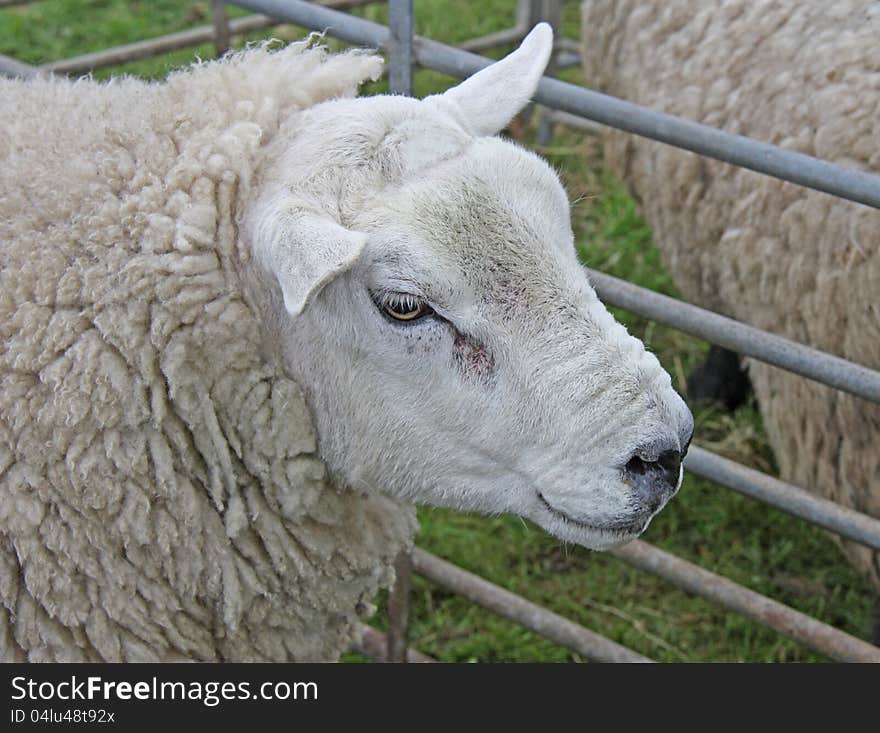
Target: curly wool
[
  {"x": 804, "y": 76},
  {"x": 162, "y": 493}
]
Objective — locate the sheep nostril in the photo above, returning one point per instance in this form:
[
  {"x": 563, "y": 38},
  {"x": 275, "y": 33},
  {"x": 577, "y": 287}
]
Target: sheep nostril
[
  {"x": 667, "y": 466},
  {"x": 637, "y": 466},
  {"x": 654, "y": 481},
  {"x": 670, "y": 462}
]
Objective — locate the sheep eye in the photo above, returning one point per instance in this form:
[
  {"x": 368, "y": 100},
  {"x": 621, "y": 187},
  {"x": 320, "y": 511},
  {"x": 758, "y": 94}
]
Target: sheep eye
[{"x": 404, "y": 307}]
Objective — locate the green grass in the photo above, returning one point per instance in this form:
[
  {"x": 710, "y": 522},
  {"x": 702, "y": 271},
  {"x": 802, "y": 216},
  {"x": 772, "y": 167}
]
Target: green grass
[{"x": 711, "y": 526}]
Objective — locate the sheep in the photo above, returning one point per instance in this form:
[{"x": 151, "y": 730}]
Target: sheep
[
  {"x": 248, "y": 320},
  {"x": 804, "y": 76}
]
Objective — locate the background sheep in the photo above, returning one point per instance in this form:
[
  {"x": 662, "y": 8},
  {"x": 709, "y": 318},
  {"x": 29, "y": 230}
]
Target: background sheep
[
  {"x": 805, "y": 76},
  {"x": 197, "y": 251}
]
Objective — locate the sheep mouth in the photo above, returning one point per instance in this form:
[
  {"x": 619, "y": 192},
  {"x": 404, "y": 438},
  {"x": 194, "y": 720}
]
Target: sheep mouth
[{"x": 621, "y": 528}]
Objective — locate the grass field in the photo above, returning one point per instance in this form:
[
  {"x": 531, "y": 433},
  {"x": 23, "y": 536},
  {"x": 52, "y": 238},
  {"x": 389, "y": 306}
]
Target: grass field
[{"x": 721, "y": 531}]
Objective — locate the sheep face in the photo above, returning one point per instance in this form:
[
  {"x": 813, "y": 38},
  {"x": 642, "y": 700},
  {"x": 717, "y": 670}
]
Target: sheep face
[{"x": 449, "y": 343}]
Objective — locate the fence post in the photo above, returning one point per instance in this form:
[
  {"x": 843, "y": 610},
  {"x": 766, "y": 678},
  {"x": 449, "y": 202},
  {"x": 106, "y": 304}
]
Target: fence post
[
  {"x": 222, "y": 35},
  {"x": 398, "y": 609},
  {"x": 400, "y": 47},
  {"x": 550, "y": 13},
  {"x": 400, "y": 81},
  {"x": 528, "y": 12}
]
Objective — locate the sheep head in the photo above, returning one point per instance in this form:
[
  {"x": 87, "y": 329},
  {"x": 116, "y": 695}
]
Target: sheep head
[{"x": 419, "y": 278}]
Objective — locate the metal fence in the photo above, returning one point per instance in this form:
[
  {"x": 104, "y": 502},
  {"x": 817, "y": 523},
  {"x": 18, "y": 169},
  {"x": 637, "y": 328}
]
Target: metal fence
[{"x": 404, "y": 50}]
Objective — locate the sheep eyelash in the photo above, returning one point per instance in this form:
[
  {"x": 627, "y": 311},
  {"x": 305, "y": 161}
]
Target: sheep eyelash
[
  {"x": 402, "y": 308},
  {"x": 402, "y": 301}
]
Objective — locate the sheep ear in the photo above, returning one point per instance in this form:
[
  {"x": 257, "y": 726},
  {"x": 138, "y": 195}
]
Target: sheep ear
[
  {"x": 306, "y": 253},
  {"x": 489, "y": 99}
]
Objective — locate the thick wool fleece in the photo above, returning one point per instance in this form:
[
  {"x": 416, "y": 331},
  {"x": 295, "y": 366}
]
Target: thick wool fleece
[
  {"x": 161, "y": 493},
  {"x": 804, "y": 76}
]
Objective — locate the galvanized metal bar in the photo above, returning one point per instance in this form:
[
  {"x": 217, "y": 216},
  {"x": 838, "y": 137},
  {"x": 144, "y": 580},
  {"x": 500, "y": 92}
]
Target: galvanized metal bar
[
  {"x": 762, "y": 157},
  {"x": 744, "y": 339},
  {"x": 222, "y": 32},
  {"x": 528, "y": 12},
  {"x": 174, "y": 41},
  {"x": 566, "y": 60},
  {"x": 400, "y": 81},
  {"x": 516, "y": 608},
  {"x": 308, "y": 15},
  {"x": 569, "y": 53},
  {"x": 14, "y": 68},
  {"x": 551, "y": 14},
  {"x": 787, "y": 165},
  {"x": 493, "y": 40},
  {"x": 344, "y": 4},
  {"x": 155, "y": 46},
  {"x": 819, "y": 636},
  {"x": 845, "y": 522},
  {"x": 373, "y": 643},
  {"x": 579, "y": 123},
  {"x": 399, "y": 609},
  {"x": 570, "y": 45},
  {"x": 400, "y": 47}
]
